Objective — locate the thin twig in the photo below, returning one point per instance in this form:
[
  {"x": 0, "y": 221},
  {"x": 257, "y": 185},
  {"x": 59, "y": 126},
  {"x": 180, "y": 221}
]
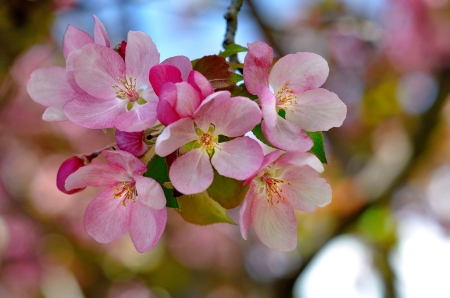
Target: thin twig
[{"x": 231, "y": 18}]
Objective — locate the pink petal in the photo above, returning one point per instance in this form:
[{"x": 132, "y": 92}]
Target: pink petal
[
  {"x": 188, "y": 99},
  {"x": 299, "y": 158},
  {"x": 245, "y": 218},
  {"x": 317, "y": 110},
  {"x": 70, "y": 76},
  {"x": 238, "y": 158},
  {"x": 161, "y": 74},
  {"x": 234, "y": 116},
  {"x": 200, "y": 83},
  {"x": 100, "y": 35},
  {"x": 132, "y": 142},
  {"x": 48, "y": 86},
  {"x": 127, "y": 161},
  {"x": 287, "y": 136},
  {"x": 306, "y": 190},
  {"x": 174, "y": 136},
  {"x": 257, "y": 63},
  {"x": 140, "y": 56},
  {"x": 275, "y": 224},
  {"x": 96, "y": 69},
  {"x": 146, "y": 226},
  {"x": 268, "y": 104},
  {"x": 68, "y": 167},
  {"x": 150, "y": 192},
  {"x": 74, "y": 39},
  {"x": 54, "y": 113},
  {"x": 268, "y": 159},
  {"x": 96, "y": 174},
  {"x": 182, "y": 63},
  {"x": 192, "y": 173},
  {"x": 106, "y": 219},
  {"x": 166, "y": 105},
  {"x": 300, "y": 72},
  {"x": 139, "y": 118},
  {"x": 94, "y": 113},
  {"x": 202, "y": 114}
]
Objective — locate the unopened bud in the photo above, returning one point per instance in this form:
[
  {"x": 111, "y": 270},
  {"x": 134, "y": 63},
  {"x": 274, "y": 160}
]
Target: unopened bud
[{"x": 68, "y": 167}]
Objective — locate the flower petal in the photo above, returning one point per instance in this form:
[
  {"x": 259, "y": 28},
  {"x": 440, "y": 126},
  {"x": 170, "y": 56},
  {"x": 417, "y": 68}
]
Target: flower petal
[
  {"x": 188, "y": 99},
  {"x": 200, "y": 83},
  {"x": 299, "y": 158},
  {"x": 275, "y": 224},
  {"x": 92, "y": 112},
  {"x": 174, "y": 136},
  {"x": 238, "y": 158},
  {"x": 106, "y": 219},
  {"x": 100, "y": 35},
  {"x": 268, "y": 159},
  {"x": 161, "y": 74},
  {"x": 146, "y": 226},
  {"x": 96, "y": 69},
  {"x": 74, "y": 39},
  {"x": 132, "y": 142},
  {"x": 317, "y": 110},
  {"x": 96, "y": 174},
  {"x": 202, "y": 114},
  {"x": 48, "y": 86},
  {"x": 127, "y": 161},
  {"x": 257, "y": 63},
  {"x": 150, "y": 193},
  {"x": 141, "y": 55},
  {"x": 245, "y": 217},
  {"x": 54, "y": 113},
  {"x": 299, "y": 71},
  {"x": 183, "y": 63},
  {"x": 306, "y": 190},
  {"x": 268, "y": 104},
  {"x": 287, "y": 136},
  {"x": 139, "y": 118},
  {"x": 166, "y": 104},
  {"x": 192, "y": 172}
]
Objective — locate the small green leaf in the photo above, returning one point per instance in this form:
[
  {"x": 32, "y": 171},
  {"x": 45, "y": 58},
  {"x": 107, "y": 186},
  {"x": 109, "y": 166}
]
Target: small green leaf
[
  {"x": 228, "y": 192},
  {"x": 200, "y": 209},
  {"x": 318, "y": 147},
  {"x": 257, "y": 131},
  {"x": 232, "y": 49},
  {"x": 157, "y": 169}
]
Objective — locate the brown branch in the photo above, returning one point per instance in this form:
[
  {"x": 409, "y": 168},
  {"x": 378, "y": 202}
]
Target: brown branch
[
  {"x": 420, "y": 140},
  {"x": 231, "y": 18}
]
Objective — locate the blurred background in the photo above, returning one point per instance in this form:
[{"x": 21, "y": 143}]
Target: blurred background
[{"x": 386, "y": 233}]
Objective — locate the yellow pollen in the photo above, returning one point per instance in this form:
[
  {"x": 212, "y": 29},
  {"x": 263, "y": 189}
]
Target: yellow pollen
[
  {"x": 128, "y": 88},
  {"x": 286, "y": 97},
  {"x": 125, "y": 191},
  {"x": 207, "y": 140},
  {"x": 272, "y": 188}
]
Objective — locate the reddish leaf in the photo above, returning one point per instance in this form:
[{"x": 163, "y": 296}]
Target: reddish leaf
[{"x": 217, "y": 70}]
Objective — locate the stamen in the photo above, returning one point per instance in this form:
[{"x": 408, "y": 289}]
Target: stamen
[
  {"x": 272, "y": 187},
  {"x": 127, "y": 191},
  {"x": 286, "y": 97},
  {"x": 128, "y": 89}
]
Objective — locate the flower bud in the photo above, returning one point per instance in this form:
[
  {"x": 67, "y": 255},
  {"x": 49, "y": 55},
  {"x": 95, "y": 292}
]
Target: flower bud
[{"x": 68, "y": 167}]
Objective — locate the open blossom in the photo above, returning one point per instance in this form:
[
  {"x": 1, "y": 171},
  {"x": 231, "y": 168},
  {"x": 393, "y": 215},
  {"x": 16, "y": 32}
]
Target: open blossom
[
  {"x": 179, "y": 95},
  {"x": 217, "y": 115},
  {"x": 282, "y": 184},
  {"x": 129, "y": 202},
  {"x": 52, "y": 86},
  {"x": 295, "y": 79}
]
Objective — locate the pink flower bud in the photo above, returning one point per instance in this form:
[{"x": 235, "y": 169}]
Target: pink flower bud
[{"x": 68, "y": 167}]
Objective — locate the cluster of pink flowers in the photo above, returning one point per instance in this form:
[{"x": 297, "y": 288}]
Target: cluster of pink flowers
[{"x": 168, "y": 110}]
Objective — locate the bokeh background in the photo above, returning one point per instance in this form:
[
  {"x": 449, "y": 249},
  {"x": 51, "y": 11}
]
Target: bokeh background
[{"x": 386, "y": 233}]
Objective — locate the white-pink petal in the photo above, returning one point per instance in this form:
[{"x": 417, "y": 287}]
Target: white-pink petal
[
  {"x": 299, "y": 71},
  {"x": 150, "y": 193},
  {"x": 257, "y": 63},
  {"x": 139, "y": 118},
  {"x": 317, "y": 110},
  {"x": 127, "y": 161},
  {"x": 268, "y": 104},
  {"x": 106, "y": 219},
  {"x": 299, "y": 158},
  {"x": 245, "y": 217},
  {"x": 238, "y": 158},
  {"x": 174, "y": 136},
  {"x": 146, "y": 226},
  {"x": 74, "y": 39},
  {"x": 188, "y": 99},
  {"x": 96, "y": 174},
  {"x": 183, "y": 63},
  {"x": 54, "y": 113},
  {"x": 192, "y": 173},
  {"x": 100, "y": 35},
  {"x": 287, "y": 136}
]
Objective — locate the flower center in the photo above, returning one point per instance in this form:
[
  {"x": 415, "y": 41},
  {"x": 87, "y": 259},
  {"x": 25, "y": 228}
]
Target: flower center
[
  {"x": 128, "y": 91},
  {"x": 125, "y": 191},
  {"x": 286, "y": 97},
  {"x": 272, "y": 187},
  {"x": 207, "y": 140}
]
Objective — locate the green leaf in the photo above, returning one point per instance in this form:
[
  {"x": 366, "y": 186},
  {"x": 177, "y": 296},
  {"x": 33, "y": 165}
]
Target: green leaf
[
  {"x": 200, "y": 209},
  {"x": 257, "y": 131},
  {"x": 217, "y": 70},
  {"x": 158, "y": 170},
  {"x": 232, "y": 49},
  {"x": 318, "y": 149},
  {"x": 228, "y": 192}
]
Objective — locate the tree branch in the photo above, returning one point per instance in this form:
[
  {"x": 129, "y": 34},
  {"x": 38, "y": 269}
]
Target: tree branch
[{"x": 231, "y": 18}]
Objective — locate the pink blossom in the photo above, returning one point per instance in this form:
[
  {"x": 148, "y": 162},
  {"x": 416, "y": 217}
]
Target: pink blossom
[
  {"x": 180, "y": 94},
  {"x": 54, "y": 86},
  {"x": 217, "y": 115},
  {"x": 295, "y": 79},
  {"x": 132, "y": 142},
  {"x": 129, "y": 202},
  {"x": 282, "y": 184},
  {"x": 68, "y": 167}
]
